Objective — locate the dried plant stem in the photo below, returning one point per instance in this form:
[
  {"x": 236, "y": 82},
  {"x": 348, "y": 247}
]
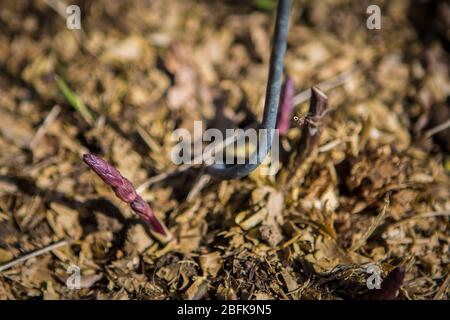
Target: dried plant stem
[
  {"x": 201, "y": 181},
  {"x": 60, "y": 8},
  {"x": 361, "y": 241},
  {"x": 424, "y": 215},
  {"x": 442, "y": 289},
  {"x": 431, "y": 132},
  {"x": 49, "y": 119},
  {"x": 34, "y": 254},
  {"x": 325, "y": 85}
]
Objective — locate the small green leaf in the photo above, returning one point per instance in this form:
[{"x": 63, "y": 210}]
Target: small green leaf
[
  {"x": 74, "y": 101},
  {"x": 267, "y": 5}
]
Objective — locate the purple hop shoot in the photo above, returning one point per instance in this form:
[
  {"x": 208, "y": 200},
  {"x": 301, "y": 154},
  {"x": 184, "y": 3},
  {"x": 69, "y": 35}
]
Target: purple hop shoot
[
  {"x": 286, "y": 106},
  {"x": 390, "y": 285},
  {"x": 124, "y": 190}
]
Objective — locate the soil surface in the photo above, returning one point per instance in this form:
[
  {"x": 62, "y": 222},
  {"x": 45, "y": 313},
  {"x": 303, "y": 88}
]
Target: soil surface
[{"x": 375, "y": 192}]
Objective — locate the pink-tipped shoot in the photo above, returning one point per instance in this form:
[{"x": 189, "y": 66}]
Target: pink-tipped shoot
[
  {"x": 390, "y": 285},
  {"x": 124, "y": 190},
  {"x": 286, "y": 106}
]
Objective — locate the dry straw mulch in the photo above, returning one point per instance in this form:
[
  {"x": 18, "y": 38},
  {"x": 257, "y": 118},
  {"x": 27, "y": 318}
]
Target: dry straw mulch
[{"x": 377, "y": 191}]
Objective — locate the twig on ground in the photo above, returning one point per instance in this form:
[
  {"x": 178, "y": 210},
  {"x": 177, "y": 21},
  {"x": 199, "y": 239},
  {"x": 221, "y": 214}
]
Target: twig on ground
[
  {"x": 34, "y": 254},
  {"x": 442, "y": 289},
  {"x": 60, "y": 8},
  {"x": 326, "y": 85},
  {"x": 423, "y": 215},
  {"x": 49, "y": 119},
  {"x": 431, "y": 132},
  {"x": 361, "y": 241},
  {"x": 201, "y": 181}
]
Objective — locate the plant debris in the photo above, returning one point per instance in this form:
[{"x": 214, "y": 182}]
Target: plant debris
[{"x": 374, "y": 191}]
